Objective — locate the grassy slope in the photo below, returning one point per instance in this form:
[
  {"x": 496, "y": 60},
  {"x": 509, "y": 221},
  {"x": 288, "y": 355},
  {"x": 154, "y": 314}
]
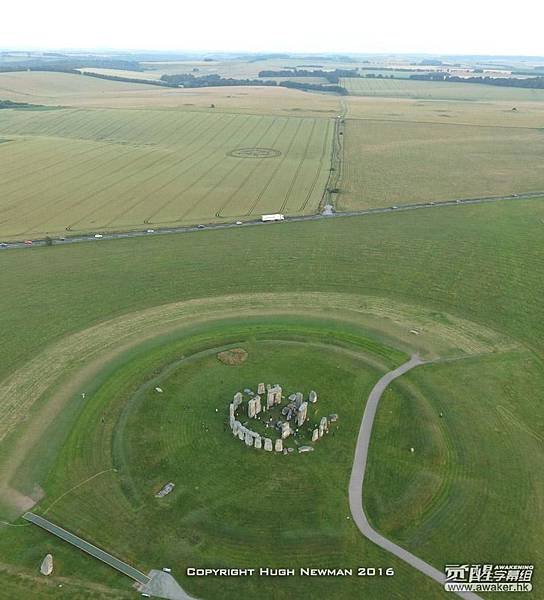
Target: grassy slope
[
  {"x": 476, "y": 472},
  {"x": 483, "y": 263}
]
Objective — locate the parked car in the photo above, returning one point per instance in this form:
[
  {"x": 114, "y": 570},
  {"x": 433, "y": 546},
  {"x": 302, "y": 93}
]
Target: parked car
[
  {"x": 150, "y": 231},
  {"x": 200, "y": 226},
  {"x": 98, "y": 235},
  {"x": 238, "y": 222},
  {"x": 28, "y": 242}
]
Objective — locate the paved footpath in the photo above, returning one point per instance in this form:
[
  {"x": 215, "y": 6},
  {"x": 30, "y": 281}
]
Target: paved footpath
[
  {"x": 357, "y": 479},
  {"x": 88, "y": 547}
]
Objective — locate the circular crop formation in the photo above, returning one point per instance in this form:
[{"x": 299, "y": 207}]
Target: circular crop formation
[{"x": 254, "y": 153}]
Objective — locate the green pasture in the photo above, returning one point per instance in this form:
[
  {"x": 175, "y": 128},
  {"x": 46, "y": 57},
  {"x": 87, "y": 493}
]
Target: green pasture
[{"x": 464, "y": 264}]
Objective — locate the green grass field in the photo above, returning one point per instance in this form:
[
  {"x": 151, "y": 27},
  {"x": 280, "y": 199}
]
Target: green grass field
[
  {"x": 101, "y": 170},
  {"x": 438, "y": 90},
  {"x": 107, "y": 318},
  {"x": 388, "y": 162}
]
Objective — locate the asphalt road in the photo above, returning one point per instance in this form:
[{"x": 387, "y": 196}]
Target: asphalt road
[
  {"x": 356, "y": 481},
  {"x": 87, "y": 547},
  {"x": 73, "y": 239}
]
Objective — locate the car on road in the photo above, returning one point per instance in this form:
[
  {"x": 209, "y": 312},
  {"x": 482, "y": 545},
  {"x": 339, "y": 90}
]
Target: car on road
[
  {"x": 28, "y": 242},
  {"x": 150, "y": 231},
  {"x": 3, "y": 245},
  {"x": 200, "y": 226},
  {"x": 394, "y": 207},
  {"x": 98, "y": 235},
  {"x": 238, "y": 222}
]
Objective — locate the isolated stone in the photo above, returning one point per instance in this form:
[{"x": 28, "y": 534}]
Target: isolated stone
[
  {"x": 333, "y": 418},
  {"x": 46, "y": 567},
  {"x": 313, "y": 397},
  {"x": 158, "y": 389},
  {"x": 165, "y": 490}
]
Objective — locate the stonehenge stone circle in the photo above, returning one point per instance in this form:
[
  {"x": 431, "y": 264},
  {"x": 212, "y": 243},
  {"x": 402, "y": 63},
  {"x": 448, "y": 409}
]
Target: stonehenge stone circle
[{"x": 293, "y": 416}]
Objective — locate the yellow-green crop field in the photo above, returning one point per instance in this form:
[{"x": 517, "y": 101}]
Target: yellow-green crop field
[
  {"x": 437, "y": 90},
  {"x": 100, "y": 170},
  {"x": 388, "y": 162}
]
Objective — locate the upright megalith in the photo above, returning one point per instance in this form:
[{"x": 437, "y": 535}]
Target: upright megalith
[
  {"x": 258, "y": 443},
  {"x": 273, "y": 396},
  {"x": 315, "y": 434},
  {"x": 299, "y": 399},
  {"x": 268, "y": 444},
  {"x": 261, "y": 389},
  {"x": 248, "y": 438},
  {"x": 238, "y": 398},
  {"x": 323, "y": 426},
  {"x": 278, "y": 446},
  {"x": 285, "y": 430},
  {"x": 302, "y": 413}
]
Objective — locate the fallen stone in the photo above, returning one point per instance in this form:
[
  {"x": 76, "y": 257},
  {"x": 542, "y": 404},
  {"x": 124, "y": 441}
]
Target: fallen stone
[{"x": 303, "y": 449}]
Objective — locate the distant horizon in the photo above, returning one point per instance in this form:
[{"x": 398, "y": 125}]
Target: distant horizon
[{"x": 192, "y": 51}]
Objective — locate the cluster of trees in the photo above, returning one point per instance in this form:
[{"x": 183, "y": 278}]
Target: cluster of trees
[
  {"x": 69, "y": 65},
  {"x": 213, "y": 80},
  {"x": 190, "y": 81},
  {"x": 11, "y": 104},
  {"x": 529, "y": 82},
  {"x": 315, "y": 87},
  {"x": 331, "y": 76}
]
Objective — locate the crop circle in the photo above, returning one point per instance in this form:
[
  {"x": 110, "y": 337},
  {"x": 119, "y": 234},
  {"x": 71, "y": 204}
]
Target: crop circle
[{"x": 254, "y": 153}]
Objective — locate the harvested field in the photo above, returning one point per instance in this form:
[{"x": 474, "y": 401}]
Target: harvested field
[{"x": 390, "y": 163}]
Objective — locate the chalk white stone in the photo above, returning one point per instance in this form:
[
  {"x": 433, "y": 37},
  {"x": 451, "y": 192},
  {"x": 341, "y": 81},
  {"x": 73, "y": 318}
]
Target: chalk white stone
[
  {"x": 278, "y": 446},
  {"x": 302, "y": 412},
  {"x": 268, "y": 444},
  {"x": 46, "y": 567}
]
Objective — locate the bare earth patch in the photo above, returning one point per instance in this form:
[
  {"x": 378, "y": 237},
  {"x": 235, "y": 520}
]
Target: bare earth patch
[{"x": 234, "y": 356}]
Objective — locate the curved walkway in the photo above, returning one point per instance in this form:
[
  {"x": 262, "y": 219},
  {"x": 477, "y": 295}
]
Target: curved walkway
[{"x": 357, "y": 478}]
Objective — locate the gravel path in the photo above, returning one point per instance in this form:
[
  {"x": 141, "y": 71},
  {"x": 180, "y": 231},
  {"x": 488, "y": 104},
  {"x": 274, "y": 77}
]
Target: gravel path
[{"x": 357, "y": 478}]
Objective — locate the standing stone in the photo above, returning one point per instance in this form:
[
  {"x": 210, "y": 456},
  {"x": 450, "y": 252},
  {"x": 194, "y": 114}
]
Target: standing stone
[
  {"x": 270, "y": 397},
  {"x": 235, "y": 427},
  {"x": 275, "y": 392},
  {"x": 278, "y": 446},
  {"x": 258, "y": 442},
  {"x": 251, "y": 409},
  {"x": 302, "y": 412},
  {"x": 313, "y": 397},
  {"x": 232, "y": 420},
  {"x": 237, "y": 399},
  {"x": 241, "y": 433},
  {"x": 268, "y": 444},
  {"x": 248, "y": 439},
  {"x": 315, "y": 434},
  {"x": 232, "y": 408},
  {"x": 323, "y": 426},
  {"x": 285, "y": 430},
  {"x": 299, "y": 399},
  {"x": 258, "y": 405},
  {"x": 47, "y": 565},
  {"x": 260, "y": 389}
]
